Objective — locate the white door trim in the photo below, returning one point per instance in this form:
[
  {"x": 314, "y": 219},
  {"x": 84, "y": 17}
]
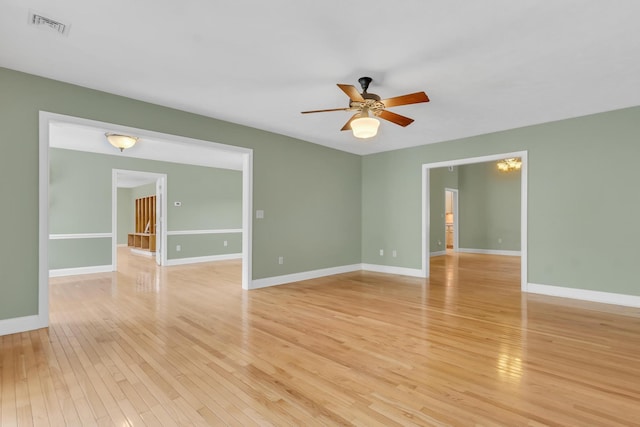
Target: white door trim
[{"x": 426, "y": 218}]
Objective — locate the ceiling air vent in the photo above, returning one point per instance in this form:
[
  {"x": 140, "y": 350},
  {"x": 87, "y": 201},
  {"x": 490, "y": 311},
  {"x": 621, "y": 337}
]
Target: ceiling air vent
[{"x": 41, "y": 21}]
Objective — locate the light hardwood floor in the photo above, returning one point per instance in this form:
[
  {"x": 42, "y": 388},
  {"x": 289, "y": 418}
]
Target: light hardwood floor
[{"x": 186, "y": 346}]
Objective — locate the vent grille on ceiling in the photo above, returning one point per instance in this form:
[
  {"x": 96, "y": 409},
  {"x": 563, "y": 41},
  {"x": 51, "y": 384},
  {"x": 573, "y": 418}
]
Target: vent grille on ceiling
[{"x": 43, "y": 22}]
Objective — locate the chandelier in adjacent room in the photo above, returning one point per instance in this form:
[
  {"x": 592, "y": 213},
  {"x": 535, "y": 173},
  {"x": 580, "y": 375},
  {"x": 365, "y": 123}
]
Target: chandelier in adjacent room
[{"x": 511, "y": 164}]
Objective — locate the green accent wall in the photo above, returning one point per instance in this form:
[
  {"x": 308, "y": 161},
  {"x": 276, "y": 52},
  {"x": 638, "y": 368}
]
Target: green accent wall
[
  {"x": 142, "y": 191},
  {"x": 76, "y": 253},
  {"x": 489, "y": 207},
  {"x": 125, "y": 219},
  {"x": 576, "y": 175},
  {"x": 310, "y": 194},
  {"x": 196, "y": 245}
]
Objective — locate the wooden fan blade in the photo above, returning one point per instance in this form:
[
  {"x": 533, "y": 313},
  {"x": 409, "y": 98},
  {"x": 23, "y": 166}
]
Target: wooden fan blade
[
  {"x": 347, "y": 126},
  {"x": 351, "y": 92},
  {"x": 395, "y": 118},
  {"x": 412, "y": 98},
  {"x": 324, "y": 111}
]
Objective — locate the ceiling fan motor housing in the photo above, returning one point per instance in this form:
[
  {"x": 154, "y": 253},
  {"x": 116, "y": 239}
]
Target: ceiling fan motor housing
[{"x": 365, "y": 82}]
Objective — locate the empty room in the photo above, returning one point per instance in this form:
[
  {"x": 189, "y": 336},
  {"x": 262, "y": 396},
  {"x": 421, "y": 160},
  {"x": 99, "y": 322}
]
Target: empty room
[{"x": 418, "y": 213}]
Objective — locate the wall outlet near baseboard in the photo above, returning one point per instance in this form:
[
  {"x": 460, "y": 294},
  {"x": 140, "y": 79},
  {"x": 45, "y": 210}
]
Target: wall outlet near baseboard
[
  {"x": 178, "y": 248},
  {"x": 394, "y": 253},
  {"x": 226, "y": 243},
  {"x": 381, "y": 252},
  {"x": 280, "y": 260}
]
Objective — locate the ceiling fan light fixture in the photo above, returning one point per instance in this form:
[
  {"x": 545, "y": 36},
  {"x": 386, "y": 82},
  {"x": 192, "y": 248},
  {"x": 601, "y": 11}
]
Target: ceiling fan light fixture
[
  {"x": 365, "y": 127},
  {"x": 121, "y": 141}
]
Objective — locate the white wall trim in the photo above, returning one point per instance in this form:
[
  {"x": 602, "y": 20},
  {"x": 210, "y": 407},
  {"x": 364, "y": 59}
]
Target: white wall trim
[
  {"x": 80, "y": 270},
  {"x": 43, "y": 229},
  {"x": 438, "y": 253},
  {"x": 402, "y": 271},
  {"x": 210, "y": 258},
  {"x": 217, "y": 231},
  {"x": 80, "y": 236},
  {"x": 247, "y": 220},
  {"x": 305, "y": 275},
  {"x": 490, "y": 251},
  {"x": 21, "y": 324},
  {"x": 585, "y": 295}
]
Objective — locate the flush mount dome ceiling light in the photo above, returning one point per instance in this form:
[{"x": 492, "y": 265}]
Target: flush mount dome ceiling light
[
  {"x": 121, "y": 141},
  {"x": 365, "y": 103},
  {"x": 365, "y": 126}
]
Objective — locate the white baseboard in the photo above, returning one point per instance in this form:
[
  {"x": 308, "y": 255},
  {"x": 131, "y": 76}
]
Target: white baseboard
[
  {"x": 402, "y": 271},
  {"x": 438, "y": 253},
  {"x": 210, "y": 258},
  {"x": 305, "y": 275},
  {"x": 22, "y": 324},
  {"x": 142, "y": 252},
  {"x": 489, "y": 252},
  {"x": 585, "y": 295},
  {"x": 81, "y": 270}
]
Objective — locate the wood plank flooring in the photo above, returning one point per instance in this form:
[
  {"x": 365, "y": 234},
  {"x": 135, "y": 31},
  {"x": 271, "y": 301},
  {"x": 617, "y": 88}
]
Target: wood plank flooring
[{"x": 185, "y": 346}]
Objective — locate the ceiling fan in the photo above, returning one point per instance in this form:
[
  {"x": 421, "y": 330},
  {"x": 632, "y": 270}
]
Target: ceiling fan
[{"x": 365, "y": 103}]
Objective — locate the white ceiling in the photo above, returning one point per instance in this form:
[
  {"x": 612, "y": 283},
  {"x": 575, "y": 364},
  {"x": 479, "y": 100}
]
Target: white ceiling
[
  {"x": 83, "y": 135},
  {"x": 487, "y": 66}
]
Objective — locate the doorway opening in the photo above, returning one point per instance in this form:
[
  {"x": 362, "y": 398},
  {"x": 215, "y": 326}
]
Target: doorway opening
[
  {"x": 146, "y": 235},
  {"x": 178, "y": 147},
  {"x": 427, "y": 216},
  {"x": 451, "y": 219}
]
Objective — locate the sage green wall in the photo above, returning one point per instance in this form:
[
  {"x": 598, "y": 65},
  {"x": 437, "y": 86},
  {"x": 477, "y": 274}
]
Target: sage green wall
[
  {"x": 142, "y": 191},
  {"x": 214, "y": 201},
  {"x": 196, "y": 245},
  {"x": 125, "y": 214},
  {"x": 576, "y": 168},
  {"x": 310, "y": 194},
  {"x": 489, "y": 208},
  {"x": 75, "y": 253}
]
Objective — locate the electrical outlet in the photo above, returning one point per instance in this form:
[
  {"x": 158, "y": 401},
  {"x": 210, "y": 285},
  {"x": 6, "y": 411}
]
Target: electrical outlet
[
  {"x": 394, "y": 253},
  {"x": 178, "y": 248},
  {"x": 439, "y": 243},
  {"x": 499, "y": 239},
  {"x": 281, "y": 260},
  {"x": 226, "y": 243},
  {"x": 381, "y": 252}
]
